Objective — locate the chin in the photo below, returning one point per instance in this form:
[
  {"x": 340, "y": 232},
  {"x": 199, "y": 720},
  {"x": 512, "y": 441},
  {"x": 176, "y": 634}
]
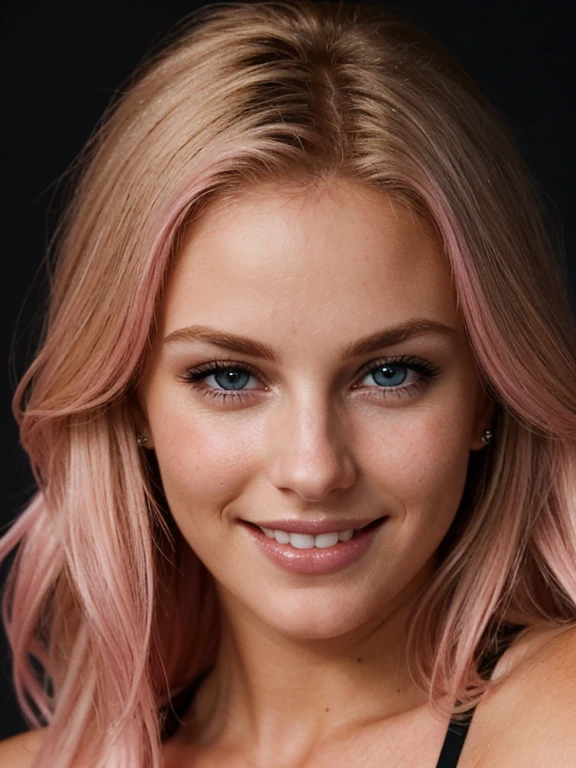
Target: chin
[{"x": 317, "y": 617}]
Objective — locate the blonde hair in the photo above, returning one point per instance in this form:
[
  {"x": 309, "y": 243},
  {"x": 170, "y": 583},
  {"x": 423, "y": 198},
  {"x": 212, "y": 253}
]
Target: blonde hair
[{"x": 104, "y": 591}]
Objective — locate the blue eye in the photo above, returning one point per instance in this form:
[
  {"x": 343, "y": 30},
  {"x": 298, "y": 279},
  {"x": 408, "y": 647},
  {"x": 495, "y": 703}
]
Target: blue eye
[
  {"x": 390, "y": 376},
  {"x": 231, "y": 377},
  {"x": 399, "y": 377}
]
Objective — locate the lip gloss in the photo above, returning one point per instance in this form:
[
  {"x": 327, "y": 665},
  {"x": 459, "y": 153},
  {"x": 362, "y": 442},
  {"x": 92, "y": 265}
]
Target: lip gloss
[{"x": 315, "y": 561}]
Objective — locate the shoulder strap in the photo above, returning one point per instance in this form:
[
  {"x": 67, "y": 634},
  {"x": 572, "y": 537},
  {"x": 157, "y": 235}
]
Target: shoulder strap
[{"x": 458, "y": 730}]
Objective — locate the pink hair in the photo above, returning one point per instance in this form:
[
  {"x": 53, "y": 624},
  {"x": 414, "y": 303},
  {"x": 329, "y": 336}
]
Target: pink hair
[{"x": 104, "y": 591}]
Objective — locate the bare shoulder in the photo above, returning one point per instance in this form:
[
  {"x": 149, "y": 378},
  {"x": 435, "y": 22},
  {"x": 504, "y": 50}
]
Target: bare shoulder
[
  {"x": 532, "y": 646},
  {"x": 533, "y": 713},
  {"x": 19, "y": 751}
]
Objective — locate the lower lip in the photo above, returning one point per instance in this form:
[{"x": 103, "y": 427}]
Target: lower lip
[{"x": 316, "y": 561}]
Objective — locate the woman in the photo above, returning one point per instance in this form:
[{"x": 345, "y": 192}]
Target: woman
[{"x": 303, "y": 421}]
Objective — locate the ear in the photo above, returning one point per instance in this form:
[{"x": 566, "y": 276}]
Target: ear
[
  {"x": 142, "y": 428},
  {"x": 484, "y": 419}
]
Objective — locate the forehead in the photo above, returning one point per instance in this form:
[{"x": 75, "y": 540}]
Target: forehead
[{"x": 337, "y": 252}]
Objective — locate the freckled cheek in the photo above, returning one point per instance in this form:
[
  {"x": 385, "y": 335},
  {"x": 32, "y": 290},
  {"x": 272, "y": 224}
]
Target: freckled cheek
[
  {"x": 203, "y": 463},
  {"x": 421, "y": 462}
]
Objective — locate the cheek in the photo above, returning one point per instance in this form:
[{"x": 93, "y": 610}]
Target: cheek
[
  {"x": 421, "y": 464},
  {"x": 203, "y": 461}
]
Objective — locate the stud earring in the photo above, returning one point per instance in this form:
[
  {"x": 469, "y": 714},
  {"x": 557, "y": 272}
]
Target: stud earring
[
  {"x": 487, "y": 437},
  {"x": 141, "y": 440}
]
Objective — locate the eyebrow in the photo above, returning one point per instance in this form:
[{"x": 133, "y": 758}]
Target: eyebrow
[{"x": 253, "y": 348}]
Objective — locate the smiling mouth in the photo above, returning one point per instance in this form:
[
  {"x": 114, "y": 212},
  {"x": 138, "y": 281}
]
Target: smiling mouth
[{"x": 316, "y": 541}]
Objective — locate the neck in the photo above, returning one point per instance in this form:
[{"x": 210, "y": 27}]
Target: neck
[{"x": 268, "y": 691}]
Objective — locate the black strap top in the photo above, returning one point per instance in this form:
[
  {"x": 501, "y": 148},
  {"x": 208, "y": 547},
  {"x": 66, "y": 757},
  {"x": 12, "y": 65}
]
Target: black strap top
[
  {"x": 455, "y": 735},
  {"x": 457, "y": 731}
]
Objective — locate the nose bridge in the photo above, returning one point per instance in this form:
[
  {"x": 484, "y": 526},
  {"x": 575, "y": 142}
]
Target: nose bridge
[{"x": 312, "y": 455}]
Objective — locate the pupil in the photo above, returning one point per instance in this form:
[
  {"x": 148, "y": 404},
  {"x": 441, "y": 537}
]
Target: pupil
[
  {"x": 231, "y": 378},
  {"x": 390, "y": 374}
]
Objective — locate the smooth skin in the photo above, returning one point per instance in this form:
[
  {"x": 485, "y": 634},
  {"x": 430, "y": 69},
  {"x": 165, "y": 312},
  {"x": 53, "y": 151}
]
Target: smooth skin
[{"x": 311, "y": 671}]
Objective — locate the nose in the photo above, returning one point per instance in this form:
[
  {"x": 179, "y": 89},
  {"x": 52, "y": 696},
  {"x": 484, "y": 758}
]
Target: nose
[{"x": 312, "y": 452}]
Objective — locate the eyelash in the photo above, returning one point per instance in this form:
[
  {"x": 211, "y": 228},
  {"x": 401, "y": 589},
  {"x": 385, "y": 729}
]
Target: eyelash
[{"x": 195, "y": 377}]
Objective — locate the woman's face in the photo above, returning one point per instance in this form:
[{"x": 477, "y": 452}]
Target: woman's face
[{"x": 324, "y": 416}]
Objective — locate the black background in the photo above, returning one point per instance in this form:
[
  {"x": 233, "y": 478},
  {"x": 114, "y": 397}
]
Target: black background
[{"x": 60, "y": 65}]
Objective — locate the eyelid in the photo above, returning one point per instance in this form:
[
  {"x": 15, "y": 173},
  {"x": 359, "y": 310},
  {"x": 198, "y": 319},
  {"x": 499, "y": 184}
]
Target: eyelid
[
  {"x": 409, "y": 361},
  {"x": 216, "y": 365}
]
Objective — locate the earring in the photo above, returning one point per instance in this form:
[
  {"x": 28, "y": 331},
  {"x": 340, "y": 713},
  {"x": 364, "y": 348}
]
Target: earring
[
  {"x": 487, "y": 437},
  {"x": 141, "y": 440}
]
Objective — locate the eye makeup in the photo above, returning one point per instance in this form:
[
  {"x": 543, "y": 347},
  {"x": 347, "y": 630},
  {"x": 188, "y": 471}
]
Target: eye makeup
[{"x": 419, "y": 373}]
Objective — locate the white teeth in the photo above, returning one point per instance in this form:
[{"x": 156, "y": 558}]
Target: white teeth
[
  {"x": 307, "y": 541},
  {"x": 302, "y": 540},
  {"x": 324, "y": 540}
]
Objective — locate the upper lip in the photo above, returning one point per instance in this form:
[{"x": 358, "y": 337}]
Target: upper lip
[{"x": 315, "y": 527}]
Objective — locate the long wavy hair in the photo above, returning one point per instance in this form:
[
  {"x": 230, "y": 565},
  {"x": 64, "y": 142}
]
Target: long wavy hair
[{"x": 108, "y": 611}]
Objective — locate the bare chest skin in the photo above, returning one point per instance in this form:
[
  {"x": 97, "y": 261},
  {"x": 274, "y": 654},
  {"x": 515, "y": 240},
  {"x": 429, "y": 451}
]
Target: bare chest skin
[{"x": 412, "y": 738}]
